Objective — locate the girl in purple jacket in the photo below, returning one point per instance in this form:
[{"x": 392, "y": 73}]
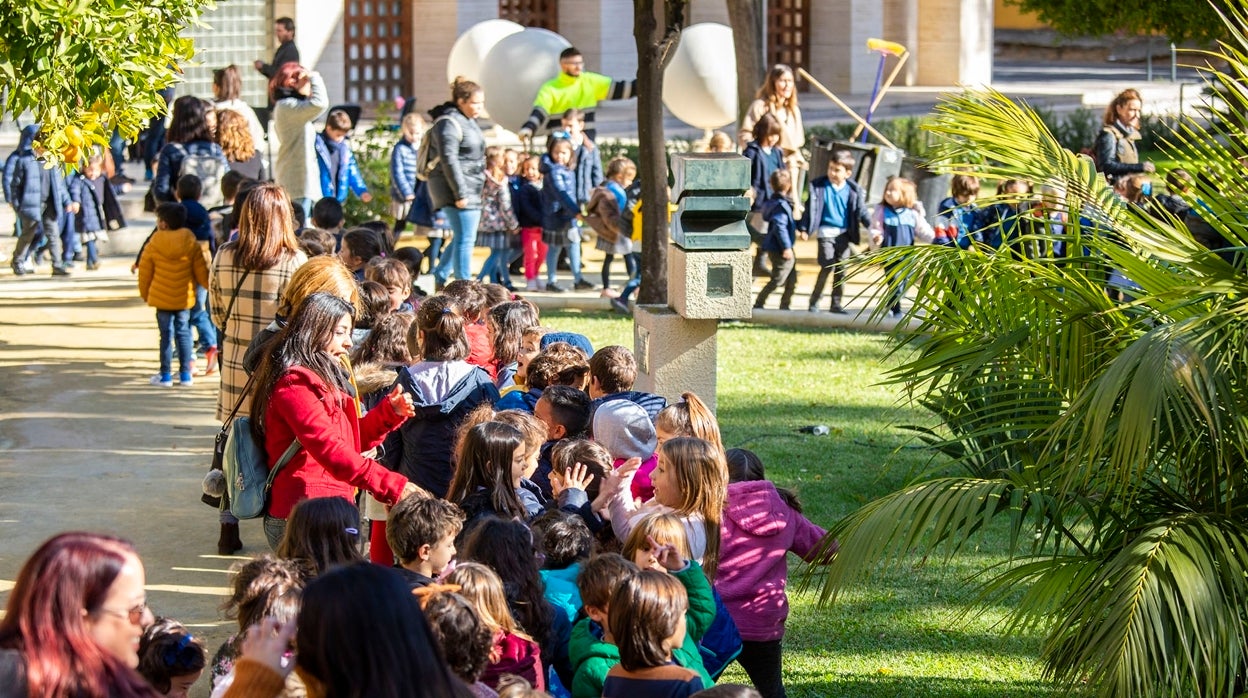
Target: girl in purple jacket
[{"x": 760, "y": 526}]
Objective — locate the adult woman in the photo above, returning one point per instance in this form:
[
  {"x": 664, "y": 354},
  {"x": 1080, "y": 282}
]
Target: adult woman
[
  {"x": 360, "y": 634},
  {"x": 1116, "y": 155},
  {"x": 74, "y": 620},
  {"x": 248, "y": 276},
  {"x": 236, "y": 142},
  {"x": 455, "y": 184},
  {"x": 778, "y": 97},
  {"x": 321, "y": 274},
  {"x": 298, "y": 97},
  {"x": 189, "y": 140},
  {"x": 304, "y": 394},
  {"x": 227, "y": 85}
]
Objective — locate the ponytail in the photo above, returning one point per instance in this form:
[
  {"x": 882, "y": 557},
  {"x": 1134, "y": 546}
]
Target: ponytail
[
  {"x": 438, "y": 333},
  {"x": 745, "y": 466},
  {"x": 690, "y": 417}
]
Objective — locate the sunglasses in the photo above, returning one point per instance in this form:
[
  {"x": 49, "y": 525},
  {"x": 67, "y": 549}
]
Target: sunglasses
[{"x": 134, "y": 615}]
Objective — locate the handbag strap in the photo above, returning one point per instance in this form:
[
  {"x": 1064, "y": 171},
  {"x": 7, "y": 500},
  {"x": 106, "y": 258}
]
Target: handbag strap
[{"x": 229, "y": 309}]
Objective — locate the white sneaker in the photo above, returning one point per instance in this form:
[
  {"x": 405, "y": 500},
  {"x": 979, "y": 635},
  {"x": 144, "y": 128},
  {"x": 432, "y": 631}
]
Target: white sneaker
[{"x": 162, "y": 381}]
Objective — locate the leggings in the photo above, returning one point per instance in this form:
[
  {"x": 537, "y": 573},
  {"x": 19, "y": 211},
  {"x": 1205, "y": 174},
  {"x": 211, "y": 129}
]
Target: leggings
[
  {"x": 534, "y": 251},
  {"x": 630, "y": 268},
  {"x": 761, "y": 661}
]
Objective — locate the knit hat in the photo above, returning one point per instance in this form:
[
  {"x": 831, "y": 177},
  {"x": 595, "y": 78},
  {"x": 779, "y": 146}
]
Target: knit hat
[
  {"x": 579, "y": 341},
  {"x": 625, "y": 430}
]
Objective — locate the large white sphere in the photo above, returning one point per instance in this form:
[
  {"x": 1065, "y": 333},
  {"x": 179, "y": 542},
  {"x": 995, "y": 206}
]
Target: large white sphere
[
  {"x": 700, "y": 85},
  {"x": 472, "y": 46},
  {"x": 513, "y": 71}
]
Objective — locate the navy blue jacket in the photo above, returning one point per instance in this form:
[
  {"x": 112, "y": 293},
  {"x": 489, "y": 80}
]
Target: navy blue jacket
[
  {"x": 559, "y": 206},
  {"x": 198, "y": 222},
  {"x": 856, "y": 215},
  {"x": 95, "y": 214},
  {"x": 403, "y": 170},
  {"x": 425, "y": 453},
  {"x": 169, "y": 165},
  {"x": 781, "y": 228},
  {"x": 759, "y": 170},
  {"x": 526, "y": 199},
  {"x": 26, "y": 182},
  {"x": 588, "y": 169}
]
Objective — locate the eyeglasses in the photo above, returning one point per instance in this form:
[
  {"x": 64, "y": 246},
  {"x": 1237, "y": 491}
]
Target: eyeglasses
[{"x": 134, "y": 615}]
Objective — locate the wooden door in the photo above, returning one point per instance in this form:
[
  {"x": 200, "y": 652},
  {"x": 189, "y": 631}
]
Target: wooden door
[
  {"x": 531, "y": 13},
  {"x": 788, "y": 35}
]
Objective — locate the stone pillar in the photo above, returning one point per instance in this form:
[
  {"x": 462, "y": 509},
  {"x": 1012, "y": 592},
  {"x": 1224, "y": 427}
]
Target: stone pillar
[
  {"x": 955, "y": 47},
  {"x": 838, "y": 45},
  {"x": 674, "y": 354},
  {"x": 436, "y": 24}
]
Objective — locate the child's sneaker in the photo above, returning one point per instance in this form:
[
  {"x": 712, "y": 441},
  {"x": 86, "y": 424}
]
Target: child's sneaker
[
  {"x": 532, "y": 285},
  {"x": 164, "y": 380},
  {"x": 186, "y": 378}
]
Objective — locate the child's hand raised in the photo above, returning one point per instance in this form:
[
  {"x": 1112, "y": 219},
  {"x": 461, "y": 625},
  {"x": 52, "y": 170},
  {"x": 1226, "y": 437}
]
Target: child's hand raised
[
  {"x": 401, "y": 402},
  {"x": 628, "y": 469},
  {"x": 577, "y": 477},
  {"x": 666, "y": 555}
]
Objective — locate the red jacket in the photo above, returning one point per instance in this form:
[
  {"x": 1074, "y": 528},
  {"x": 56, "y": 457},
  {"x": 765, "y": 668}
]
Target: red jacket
[
  {"x": 326, "y": 422},
  {"x": 480, "y": 351}
]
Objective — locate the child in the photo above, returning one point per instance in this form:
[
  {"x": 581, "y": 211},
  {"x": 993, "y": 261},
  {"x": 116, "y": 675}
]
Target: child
[
  {"x": 647, "y": 622},
  {"x": 170, "y": 658},
  {"x": 412, "y": 259},
  {"x": 625, "y": 430},
  {"x": 557, "y": 364},
  {"x": 603, "y": 215},
  {"x": 463, "y": 637},
  {"x": 403, "y": 170},
  {"x": 777, "y": 210},
  {"x": 358, "y": 246},
  {"x": 445, "y": 389},
  {"x": 689, "y": 480},
  {"x": 560, "y": 210},
  {"x": 336, "y": 162},
  {"x": 472, "y": 298},
  {"x": 957, "y": 216},
  {"x": 316, "y": 243},
  {"x": 393, "y": 274},
  {"x": 586, "y": 157},
  {"x": 321, "y": 533},
  {"x": 222, "y": 216},
  {"x": 761, "y": 525},
  {"x": 374, "y": 305},
  {"x": 98, "y": 207},
  {"x": 526, "y": 196},
  {"x": 530, "y": 347},
  {"x": 836, "y": 210},
  {"x": 498, "y": 220},
  {"x": 514, "y": 651},
  {"x": 506, "y": 324},
  {"x": 266, "y": 587},
  {"x": 578, "y": 467},
  {"x": 488, "y": 474},
  {"x": 564, "y": 542},
  {"x": 612, "y": 370},
  {"x": 766, "y": 157},
  {"x": 170, "y": 266},
  {"x": 1000, "y": 220},
  {"x": 508, "y": 547},
  {"x": 327, "y": 215},
  {"x": 565, "y": 412},
  {"x": 898, "y": 222},
  {"x": 188, "y": 190},
  {"x": 1175, "y": 200},
  {"x": 421, "y": 531},
  {"x": 720, "y": 142},
  {"x": 689, "y": 417},
  {"x": 534, "y": 491}
]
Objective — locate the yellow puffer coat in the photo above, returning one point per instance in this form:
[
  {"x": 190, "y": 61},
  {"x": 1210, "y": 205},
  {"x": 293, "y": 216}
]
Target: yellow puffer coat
[{"x": 171, "y": 264}]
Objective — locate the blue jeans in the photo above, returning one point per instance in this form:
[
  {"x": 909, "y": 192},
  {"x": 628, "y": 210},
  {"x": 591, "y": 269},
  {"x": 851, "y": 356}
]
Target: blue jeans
[
  {"x": 634, "y": 281},
  {"x": 175, "y": 325},
  {"x": 574, "y": 260},
  {"x": 202, "y": 321},
  {"x": 463, "y": 222},
  {"x": 433, "y": 253},
  {"x": 496, "y": 267},
  {"x": 274, "y": 531}
]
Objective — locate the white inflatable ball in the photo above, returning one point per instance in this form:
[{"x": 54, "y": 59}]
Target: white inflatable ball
[
  {"x": 471, "y": 47},
  {"x": 700, "y": 85},
  {"x": 514, "y": 70}
]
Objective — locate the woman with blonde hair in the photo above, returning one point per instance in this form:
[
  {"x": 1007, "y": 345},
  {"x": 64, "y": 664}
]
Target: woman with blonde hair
[
  {"x": 248, "y": 277},
  {"x": 240, "y": 149}
]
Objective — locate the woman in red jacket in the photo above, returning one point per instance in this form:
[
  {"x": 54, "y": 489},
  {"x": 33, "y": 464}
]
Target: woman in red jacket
[{"x": 303, "y": 393}]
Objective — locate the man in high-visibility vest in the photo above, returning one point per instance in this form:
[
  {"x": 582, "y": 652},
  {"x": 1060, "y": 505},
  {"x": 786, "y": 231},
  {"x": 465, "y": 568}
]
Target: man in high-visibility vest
[{"x": 573, "y": 88}]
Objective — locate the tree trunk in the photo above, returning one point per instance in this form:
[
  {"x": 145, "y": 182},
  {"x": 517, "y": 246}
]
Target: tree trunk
[
  {"x": 656, "y": 42},
  {"x": 745, "y": 16}
]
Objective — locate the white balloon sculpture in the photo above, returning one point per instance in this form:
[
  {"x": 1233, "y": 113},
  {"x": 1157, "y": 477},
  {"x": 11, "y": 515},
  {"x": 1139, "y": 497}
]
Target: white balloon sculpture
[
  {"x": 472, "y": 46},
  {"x": 515, "y": 69},
  {"x": 700, "y": 85}
]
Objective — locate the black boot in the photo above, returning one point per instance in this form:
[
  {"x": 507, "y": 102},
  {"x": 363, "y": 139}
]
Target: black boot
[{"x": 229, "y": 542}]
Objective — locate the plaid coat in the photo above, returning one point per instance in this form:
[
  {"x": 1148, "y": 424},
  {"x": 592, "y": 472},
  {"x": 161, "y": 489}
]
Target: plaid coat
[{"x": 255, "y": 308}]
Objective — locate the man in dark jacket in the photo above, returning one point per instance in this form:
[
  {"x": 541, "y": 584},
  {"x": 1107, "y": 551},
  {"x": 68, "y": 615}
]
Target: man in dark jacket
[{"x": 287, "y": 52}]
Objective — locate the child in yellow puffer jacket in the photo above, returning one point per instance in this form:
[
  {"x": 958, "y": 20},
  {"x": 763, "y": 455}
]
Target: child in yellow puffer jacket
[{"x": 171, "y": 264}]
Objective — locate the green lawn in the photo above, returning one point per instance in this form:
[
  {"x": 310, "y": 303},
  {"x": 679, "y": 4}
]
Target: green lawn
[{"x": 899, "y": 634}]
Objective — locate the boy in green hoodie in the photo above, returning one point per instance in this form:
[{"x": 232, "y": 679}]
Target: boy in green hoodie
[{"x": 591, "y": 648}]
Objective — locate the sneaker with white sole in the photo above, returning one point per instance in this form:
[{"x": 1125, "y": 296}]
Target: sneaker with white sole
[
  {"x": 164, "y": 380},
  {"x": 186, "y": 378}
]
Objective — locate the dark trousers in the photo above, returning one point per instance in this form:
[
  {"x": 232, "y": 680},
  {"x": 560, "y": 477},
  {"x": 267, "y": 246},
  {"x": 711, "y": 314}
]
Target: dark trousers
[
  {"x": 783, "y": 271},
  {"x": 630, "y": 268},
  {"x": 761, "y": 661},
  {"x": 32, "y": 230},
  {"x": 832, "y": 255}
]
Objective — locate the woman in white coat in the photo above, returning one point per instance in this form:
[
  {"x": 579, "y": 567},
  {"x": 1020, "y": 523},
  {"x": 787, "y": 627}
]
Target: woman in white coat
[{"x": 299, "y": 98}]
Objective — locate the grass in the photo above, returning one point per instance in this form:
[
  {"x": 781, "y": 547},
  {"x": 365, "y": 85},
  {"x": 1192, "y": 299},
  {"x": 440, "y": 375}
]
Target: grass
[{"x": 901, "y": 632}]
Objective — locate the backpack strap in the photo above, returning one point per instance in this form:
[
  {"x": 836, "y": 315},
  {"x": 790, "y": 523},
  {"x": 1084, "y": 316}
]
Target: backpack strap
[{"x": 288, "y": 454}]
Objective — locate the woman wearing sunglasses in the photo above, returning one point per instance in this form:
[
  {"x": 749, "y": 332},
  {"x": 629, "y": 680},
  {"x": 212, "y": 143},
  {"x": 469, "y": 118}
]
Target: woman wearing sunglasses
[{"x": 74, "y": 621}]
